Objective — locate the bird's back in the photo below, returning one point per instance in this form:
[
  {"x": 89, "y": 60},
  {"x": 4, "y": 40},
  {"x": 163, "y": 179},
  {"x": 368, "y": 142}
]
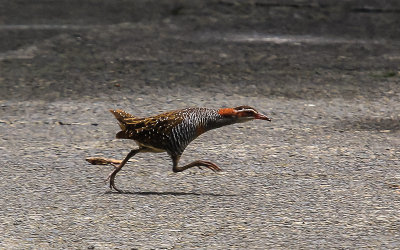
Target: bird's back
[{"x": 170, "y": 131}]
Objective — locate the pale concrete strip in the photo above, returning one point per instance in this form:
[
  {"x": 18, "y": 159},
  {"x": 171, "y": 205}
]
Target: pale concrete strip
[{"x": 45, "y": 27}]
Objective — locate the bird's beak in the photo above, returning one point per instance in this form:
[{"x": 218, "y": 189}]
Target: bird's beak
[{"x": 262, "y": 117}]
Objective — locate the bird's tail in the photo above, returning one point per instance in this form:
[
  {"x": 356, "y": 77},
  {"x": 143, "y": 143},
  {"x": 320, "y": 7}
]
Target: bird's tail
[{"x": 121, "y": 116}]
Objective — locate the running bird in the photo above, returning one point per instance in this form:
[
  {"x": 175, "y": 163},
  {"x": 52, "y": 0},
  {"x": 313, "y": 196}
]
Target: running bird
[{"x": 172, "y": 132}]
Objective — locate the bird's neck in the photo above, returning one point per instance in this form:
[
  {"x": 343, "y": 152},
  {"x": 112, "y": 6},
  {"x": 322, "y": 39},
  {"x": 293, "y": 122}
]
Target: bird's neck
[
  {"x": 203, "y": 119},
  {"x": 219, "y": 121}
]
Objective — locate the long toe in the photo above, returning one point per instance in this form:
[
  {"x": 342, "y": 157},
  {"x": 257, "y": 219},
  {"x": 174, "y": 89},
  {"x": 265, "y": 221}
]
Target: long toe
[
  {"x": 116, "y": 189},
  {"x": 213, "y": 167},
  {"x": 112, "y": 185}
]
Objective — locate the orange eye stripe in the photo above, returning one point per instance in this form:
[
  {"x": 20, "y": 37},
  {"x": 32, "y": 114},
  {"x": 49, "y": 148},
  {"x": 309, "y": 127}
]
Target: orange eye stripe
[{"x": 226, "y": 111}]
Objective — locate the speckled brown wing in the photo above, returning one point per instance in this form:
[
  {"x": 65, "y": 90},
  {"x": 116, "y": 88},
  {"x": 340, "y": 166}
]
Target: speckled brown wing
[{"x": 153, "y": 132}]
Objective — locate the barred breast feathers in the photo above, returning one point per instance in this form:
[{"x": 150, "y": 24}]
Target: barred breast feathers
[{"x": 195, "y": 122}]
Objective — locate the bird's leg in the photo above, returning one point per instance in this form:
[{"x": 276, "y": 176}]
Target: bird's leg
[
  {"x": 112, "y": 175},
  {"x": 198, "y": 163}
]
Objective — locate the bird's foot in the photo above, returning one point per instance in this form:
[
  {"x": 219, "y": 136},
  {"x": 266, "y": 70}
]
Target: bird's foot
[
  {"x": 111, "y": 178},
  {"x": 210, "y": 165},
  {"x": 103, "y": 161}
]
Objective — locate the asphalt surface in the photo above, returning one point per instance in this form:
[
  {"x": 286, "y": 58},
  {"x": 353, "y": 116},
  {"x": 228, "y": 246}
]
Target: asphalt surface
[{"x": 323, "y": 174}]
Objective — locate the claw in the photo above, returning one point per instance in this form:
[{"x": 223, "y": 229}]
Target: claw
[
  {"x": 212, "y": 166},
  {"x": 111, "y": 178},
  {"x": 112, "y": 185}
]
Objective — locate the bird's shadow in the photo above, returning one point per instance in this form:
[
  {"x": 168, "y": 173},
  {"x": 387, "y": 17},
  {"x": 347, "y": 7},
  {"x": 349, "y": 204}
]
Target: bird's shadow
[{"x": 145, "y": 193}]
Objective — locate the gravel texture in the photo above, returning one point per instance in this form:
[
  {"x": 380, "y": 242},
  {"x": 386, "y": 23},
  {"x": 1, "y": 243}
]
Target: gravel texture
[{"x": 325, "y": 173}]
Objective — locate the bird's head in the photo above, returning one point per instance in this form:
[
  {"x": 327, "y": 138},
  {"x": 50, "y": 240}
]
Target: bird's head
[{"x": 242, "y": 114}]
